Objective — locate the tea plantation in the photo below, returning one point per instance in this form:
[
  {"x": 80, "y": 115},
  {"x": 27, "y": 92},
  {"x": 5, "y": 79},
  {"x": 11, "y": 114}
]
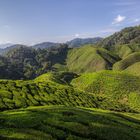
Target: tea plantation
[
  {"x": 68, "y": 123},
  {"x": 106, "y": 90},
  {"x": 119, "y": 91}
]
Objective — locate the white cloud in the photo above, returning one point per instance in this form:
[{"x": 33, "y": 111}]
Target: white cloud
[
  {"x": 76, "y": 35},
  {"x": 118, "y": 19},
  {"x": 136, "y": 20}
]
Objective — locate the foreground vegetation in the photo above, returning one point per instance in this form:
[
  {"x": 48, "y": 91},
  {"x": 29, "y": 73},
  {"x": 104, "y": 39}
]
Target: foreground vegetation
[
  {"x": 44, "y": 90},
  {"x": 117, "y": 90},
  {"x": 106, "y": 90},
  {"x": 67, "y": 123}
]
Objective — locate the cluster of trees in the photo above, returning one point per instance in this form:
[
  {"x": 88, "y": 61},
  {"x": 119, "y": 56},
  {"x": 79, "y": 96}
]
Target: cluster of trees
[
  {"x": 24, "y": 62},
  {"x": 130, "y": 35}
]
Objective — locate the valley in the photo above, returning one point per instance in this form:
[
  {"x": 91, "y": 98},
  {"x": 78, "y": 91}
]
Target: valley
[{"x": 55, "y": 91}]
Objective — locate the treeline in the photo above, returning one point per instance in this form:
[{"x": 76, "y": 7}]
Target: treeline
[
  {"x": 129, "y": 35},
  {"x": 27, "y": 63}
]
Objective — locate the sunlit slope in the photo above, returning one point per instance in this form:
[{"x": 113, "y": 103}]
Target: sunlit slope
[
  {"x": 128, "y": 61},
  {"x": 119, "y": 91},
  {"x": 124, "y": 50},
  {"x": 89, "y": 59},
  {"x": 134, "y": 69},
  {"x": 106, "y": 90},
  {"x": 58, "y": 123},
  {"x": 44, "y": 90}
]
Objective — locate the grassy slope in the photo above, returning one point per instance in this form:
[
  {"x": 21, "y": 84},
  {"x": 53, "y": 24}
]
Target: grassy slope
[
  {"x": 118, "y": 90},
  {"x": 51, "y": 123},
  {"x": 124, "y": 50},
  {"x": 89, "y": 59},
  {"x": 128, "y": 61},
  {"x": 44, "y": 90},
  {"x": 134, "y": 69},
  {"x": 106, "y": 90}
]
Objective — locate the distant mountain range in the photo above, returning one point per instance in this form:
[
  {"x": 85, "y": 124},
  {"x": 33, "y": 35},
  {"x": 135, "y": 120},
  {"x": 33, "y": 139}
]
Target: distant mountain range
[
  {"x": 2, "y": 46},
  {"x": 45, "y": 45},
  {"x": 120, "y": 51},
  {"x": 77, "y": 42},
  {"x": 7, "y": 48}
]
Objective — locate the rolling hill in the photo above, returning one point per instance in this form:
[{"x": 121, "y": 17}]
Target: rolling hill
[
  {"x": 128, "y": 61},
  {"x": 119, "y": 89},
  {"x": 45, "y": 45},
  {"x": 89, "y": 59},
  {"x": 68, "y": 123},
  {"x": 105, "y": 90},
  {"x": 44, "y": 90},
  {"x": 58, "y": 93},
  {"x": 129, "y": 35},
  {"x": 116, "y": 52},
  {"x": 133, "y": 69}
]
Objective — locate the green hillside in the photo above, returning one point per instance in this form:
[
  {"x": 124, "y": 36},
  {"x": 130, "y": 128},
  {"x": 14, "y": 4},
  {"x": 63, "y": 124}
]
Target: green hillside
[
  {"x": 118, "y": 90},
  {"x": 128, "y": 61},
  {"x": 105, "y": 90},
  {"x": 89, "y": 59},
  {"x": 58, "y": 93},
  {"x": 22, "y": 62},
  {"x": 129, "y": 35},
  {"x": 134, "y": 69},
  {"x": 124, "y": 50},
  {"x": 67, "y": 123},
  {"x": 45, "y": 90}
]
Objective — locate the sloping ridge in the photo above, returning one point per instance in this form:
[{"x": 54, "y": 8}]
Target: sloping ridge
[
  {"x": 128, "y": 61},
  {"x": 117, "y": 89},
  {"x": 129, "y": 35},
  {"x": 89, "y": 59}
]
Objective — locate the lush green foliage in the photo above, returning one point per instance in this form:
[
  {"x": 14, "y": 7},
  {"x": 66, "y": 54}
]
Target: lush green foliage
[
  {"x": 51, "y": 123},
  {"x": 62, "y": 86},
  {"x": 124, "y": 50},
  {"x": 128, "y": 61},
  {"x": 26, "y": 63},
  {"x": 23, "y": 62},
  {"x": 47, "y": 89},
  {"x": 130, "y": 35},
  {"x": 106, "y": 90},
  {"x": 133, "y": 69},
  {"x": 89, "y": 59},
  {"x": 119, "y": 91}
]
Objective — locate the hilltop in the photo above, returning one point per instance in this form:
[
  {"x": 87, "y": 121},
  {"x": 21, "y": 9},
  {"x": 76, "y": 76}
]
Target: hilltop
[
  {"x": 129, "y": 35},
  {"x": 78, "y": 42}
]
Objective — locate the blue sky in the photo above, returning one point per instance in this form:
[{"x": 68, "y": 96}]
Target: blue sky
[{"x": 34, "y": 21}]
